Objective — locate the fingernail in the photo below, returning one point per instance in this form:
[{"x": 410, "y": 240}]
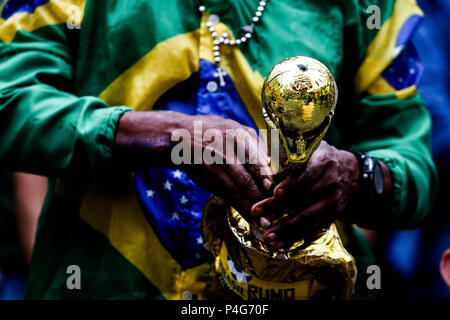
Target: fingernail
[
  {"x": 267, "y": 183},
  {"x": 264, "y": 222},
  {"x": 271, "y": 236},
  {"x": 278, "y": 245},
  {"x": 258, "y": 211},
  {"x": 280, "y": 192}
]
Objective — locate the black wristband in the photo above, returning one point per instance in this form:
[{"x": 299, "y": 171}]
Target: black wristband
[{"x": 370, "y": 177}]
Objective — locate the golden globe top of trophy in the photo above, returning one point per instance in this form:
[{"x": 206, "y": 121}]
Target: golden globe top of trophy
[
  {"x": 299, "y": 96},
  {"x": 298, "y": 99}
]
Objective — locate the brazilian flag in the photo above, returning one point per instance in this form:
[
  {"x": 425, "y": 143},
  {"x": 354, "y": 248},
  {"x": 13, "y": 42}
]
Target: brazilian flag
[{"x": 70, "y": 68}]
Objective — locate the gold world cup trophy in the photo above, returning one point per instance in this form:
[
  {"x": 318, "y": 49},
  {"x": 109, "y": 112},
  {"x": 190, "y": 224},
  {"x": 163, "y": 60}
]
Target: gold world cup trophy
[{"x": 299, "y": 97}]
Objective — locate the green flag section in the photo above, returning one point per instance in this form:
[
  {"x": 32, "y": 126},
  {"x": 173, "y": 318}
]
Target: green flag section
[
  {"x": 104, "y": 272},
  {"x": 63, "y": 89}
]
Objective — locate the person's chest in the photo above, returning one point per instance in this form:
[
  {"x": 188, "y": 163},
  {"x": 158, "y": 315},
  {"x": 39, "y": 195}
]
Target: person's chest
[{"x": 166, "y": 37}]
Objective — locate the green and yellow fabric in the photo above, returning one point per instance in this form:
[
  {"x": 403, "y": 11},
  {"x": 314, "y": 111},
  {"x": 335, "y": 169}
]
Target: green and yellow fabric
[{"x": 63, "y": 89}]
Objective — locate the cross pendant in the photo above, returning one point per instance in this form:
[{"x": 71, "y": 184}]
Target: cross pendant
[{"x": 220, "y": 74}]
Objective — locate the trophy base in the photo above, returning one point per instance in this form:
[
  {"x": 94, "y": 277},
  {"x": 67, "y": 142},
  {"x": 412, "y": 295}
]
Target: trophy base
[{"x": 320, "y": 269}]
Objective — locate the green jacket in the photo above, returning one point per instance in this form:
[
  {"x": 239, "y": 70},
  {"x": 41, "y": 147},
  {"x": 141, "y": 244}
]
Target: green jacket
[
  {"x": 12, "y": 260},
  {"x": 63, "y": 89}
]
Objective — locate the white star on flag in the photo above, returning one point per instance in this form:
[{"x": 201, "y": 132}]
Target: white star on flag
[
  {"x": 199, "y": 240},
  {"x": 175, "y": 216},
  {"x": 183, "y": 200},
  {"x": 167, "y": 185},
  {"x": 177, "y": 174},
  {"x": 150, "y": 193}
]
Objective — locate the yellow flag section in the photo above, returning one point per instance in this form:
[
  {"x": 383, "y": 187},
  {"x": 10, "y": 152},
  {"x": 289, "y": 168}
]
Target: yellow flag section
[
  {"x": 173, "y": 61},
  {"x": 53, "y": 12},
  {"x": 118, "y": 216},
  {"x": 381, "y": 52},
  {"x": 167, "y": 64},
  {"x": 249, "y": 287}
]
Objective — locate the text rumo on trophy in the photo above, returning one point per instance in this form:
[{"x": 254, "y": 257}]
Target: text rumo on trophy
[{"x": 235, "y": 146}]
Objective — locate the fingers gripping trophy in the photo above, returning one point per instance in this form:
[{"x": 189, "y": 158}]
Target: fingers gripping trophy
[{"x": 299, "y": 96}]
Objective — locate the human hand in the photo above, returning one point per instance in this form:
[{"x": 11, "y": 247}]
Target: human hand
[
  {"x": 234, "y": 166},
  {"x": 313, "y": 200}
]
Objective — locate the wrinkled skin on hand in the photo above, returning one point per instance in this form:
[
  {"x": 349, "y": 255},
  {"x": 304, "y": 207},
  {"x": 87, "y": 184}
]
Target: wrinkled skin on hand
[
  {"x": 312, "y": 200},
  {"x": 239, "y": 181},
  {"x": 145, "y": 139}
]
